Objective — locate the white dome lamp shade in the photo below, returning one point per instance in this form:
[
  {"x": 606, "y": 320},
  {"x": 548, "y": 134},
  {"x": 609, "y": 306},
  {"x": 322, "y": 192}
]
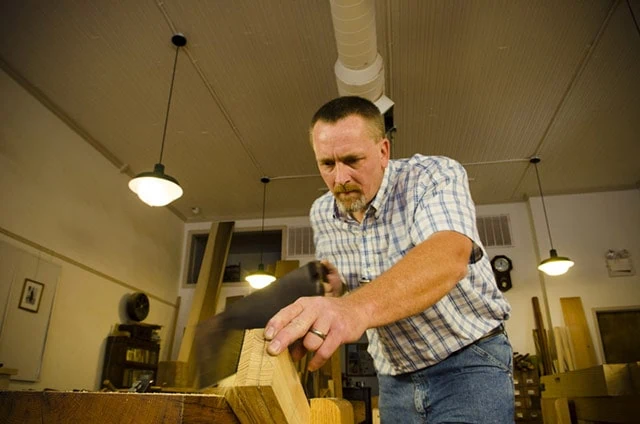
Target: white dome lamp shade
[
  {"x": 554, "y": 265},
  {"x": 156, "y": 188}
]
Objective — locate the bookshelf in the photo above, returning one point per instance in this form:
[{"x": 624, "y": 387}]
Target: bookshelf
[{"x": 128, "y": 358}]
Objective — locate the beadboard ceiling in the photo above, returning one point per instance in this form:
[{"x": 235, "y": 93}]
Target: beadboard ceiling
[{"x": 489, "y": 83}]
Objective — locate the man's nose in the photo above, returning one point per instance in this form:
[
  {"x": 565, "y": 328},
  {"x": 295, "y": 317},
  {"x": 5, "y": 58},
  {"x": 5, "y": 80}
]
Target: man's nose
[{"x": 343, "y": 175}]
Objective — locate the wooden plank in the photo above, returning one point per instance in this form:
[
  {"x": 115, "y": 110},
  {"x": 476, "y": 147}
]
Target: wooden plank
[
  {"x": 568, "y": 347},
  {"x": 603, "y": 380},
  {"x": 548, "y": 410},
  {"x": 328, "y": 379},
  {"x": 331, "y": 411},
  {"x": 545, "y": 356},
  {"x": 562, "y": 364},
  {"x": 574, "y": 318},
  {"x": 207, "y": 291},
  {"x": 112, "y": 408},
  {"x": 266, "y": 388},
  {"x": 561, "y": 407},
  {"x": 336, "y": 373},
  {"x": 375, "y": 415}
]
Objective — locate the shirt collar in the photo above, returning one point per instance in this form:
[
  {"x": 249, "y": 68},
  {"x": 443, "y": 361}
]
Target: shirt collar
[{"x": 383, "y": 191}]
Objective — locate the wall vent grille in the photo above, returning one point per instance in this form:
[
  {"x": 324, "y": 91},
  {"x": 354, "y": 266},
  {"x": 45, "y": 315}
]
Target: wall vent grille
[
  {"x": 495, "y": 231},
  {"x": 300, "y": 242}
]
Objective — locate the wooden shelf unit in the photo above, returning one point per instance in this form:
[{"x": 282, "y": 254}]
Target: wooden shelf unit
[{"x": 126, "y": 359}]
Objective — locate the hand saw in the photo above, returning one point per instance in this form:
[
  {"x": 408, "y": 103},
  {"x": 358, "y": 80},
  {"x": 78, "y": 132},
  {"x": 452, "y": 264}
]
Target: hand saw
[{"x": 219, "y": 339}]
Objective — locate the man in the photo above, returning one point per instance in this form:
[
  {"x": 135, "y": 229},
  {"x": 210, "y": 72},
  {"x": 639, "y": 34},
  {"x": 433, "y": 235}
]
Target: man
[{"x": 402, "y": 235}]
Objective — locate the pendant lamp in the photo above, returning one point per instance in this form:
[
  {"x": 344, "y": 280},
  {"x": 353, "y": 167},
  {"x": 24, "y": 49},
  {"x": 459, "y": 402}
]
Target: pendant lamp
[
  {"x": 554, "y": 265},
  {"x": 261, "y": 278},
  {"x": 155, "y": 188}
]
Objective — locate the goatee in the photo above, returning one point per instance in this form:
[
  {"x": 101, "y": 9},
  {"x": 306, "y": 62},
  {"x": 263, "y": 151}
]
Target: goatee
[{"x": 347, "y": 204}]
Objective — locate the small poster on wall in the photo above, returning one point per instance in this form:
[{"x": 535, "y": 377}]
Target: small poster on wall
[{"x": 31, "y": 295}]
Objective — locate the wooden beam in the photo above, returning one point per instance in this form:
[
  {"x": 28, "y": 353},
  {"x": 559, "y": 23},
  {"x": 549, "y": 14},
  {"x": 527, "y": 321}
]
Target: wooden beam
[
  {"x": 207, "y": 291},
  {"x": 568, "y": 347},
  {"x": 543, "y": 342},
  {"x": 21, "y": 407},
  {"x": 266, "y": 389},
  {"x": 563, "y": 364},
  {"x": 603, "y": 380},
  {"x": 574, "y": 318}
]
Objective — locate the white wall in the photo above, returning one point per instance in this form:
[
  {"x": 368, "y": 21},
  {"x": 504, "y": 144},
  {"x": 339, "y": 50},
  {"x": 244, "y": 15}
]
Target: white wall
[
  {"x": 58, "y": 193},
  {"x": 584, "y": 227}
]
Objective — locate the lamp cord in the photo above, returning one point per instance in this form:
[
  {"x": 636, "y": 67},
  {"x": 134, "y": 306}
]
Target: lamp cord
[
  {"x": 633, "y": 16},
  {"x": 544, "y": 208},
  {"x": 264, "y": 203},
  {"x": 166, "y": 119}
]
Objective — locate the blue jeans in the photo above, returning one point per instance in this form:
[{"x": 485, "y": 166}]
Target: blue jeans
[{"x": 473, "y": 385}]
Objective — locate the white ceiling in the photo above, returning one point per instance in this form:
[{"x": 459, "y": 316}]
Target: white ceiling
[{"x": 484, "y": 82}]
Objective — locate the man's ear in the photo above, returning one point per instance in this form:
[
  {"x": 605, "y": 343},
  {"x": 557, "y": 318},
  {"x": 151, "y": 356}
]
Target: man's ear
[{"x": 385, "y": 151}]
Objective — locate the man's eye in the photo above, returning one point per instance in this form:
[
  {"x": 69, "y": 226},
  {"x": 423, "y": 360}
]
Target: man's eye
[{"x": 328, "y": 164}]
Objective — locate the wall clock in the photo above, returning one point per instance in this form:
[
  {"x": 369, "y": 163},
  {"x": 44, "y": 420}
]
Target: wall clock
[
  {"x": 502, "y": 267},
  {"x": 137, "y": 306}
]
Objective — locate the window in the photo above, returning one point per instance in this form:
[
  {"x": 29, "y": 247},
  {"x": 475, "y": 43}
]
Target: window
[
  {"x": 197, "y": 246},
  {"x": 243, "y": 257}
]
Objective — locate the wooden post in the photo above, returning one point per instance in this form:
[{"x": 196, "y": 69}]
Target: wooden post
[
  {"x": 207, "y": 290},
  {"x": 545, "y": 356},
  {"x": 574, "y": 318},
  {"x": 562, "y": 364}
]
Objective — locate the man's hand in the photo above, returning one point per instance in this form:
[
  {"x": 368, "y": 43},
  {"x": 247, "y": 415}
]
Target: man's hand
[{"x": 334, "y": 317}]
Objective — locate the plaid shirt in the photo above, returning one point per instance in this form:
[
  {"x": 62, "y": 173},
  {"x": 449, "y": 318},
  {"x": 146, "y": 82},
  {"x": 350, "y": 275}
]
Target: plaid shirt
[{"x": 418, "y": 197}]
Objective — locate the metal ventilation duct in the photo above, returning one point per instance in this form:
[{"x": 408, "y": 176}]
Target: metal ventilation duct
[{"x": 359, "y": 69}]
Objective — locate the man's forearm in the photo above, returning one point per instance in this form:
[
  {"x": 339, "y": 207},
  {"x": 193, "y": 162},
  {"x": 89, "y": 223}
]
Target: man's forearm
[{"x": 420, "y": 279}]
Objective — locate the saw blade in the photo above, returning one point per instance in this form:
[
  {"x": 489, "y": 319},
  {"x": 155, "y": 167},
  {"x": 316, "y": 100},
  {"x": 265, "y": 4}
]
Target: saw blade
[{"x": 219, "y": 338}]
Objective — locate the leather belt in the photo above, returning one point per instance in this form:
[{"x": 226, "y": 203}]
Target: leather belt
[{"x": 498, "y": 330}]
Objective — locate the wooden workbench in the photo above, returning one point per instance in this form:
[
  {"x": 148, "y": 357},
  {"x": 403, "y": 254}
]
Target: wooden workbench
[
  {"x": 265, "y": 389},
  {"x": 607, "y": 393},
  {"x": 27, "y": 407}
]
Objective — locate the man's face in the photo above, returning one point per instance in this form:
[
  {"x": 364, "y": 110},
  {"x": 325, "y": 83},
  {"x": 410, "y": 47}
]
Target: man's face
[{"x": 351, "y": 161}]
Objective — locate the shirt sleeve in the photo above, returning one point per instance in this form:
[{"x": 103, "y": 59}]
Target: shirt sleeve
[{"x": 443, "y": 203}]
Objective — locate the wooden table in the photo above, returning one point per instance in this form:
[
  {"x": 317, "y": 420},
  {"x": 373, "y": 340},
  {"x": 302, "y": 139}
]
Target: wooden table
[{"x": 607, "y": 393}]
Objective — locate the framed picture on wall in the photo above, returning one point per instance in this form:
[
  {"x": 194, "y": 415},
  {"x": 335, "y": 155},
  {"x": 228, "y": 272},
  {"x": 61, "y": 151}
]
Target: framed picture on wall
[{"x": 31, "y": 295}]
